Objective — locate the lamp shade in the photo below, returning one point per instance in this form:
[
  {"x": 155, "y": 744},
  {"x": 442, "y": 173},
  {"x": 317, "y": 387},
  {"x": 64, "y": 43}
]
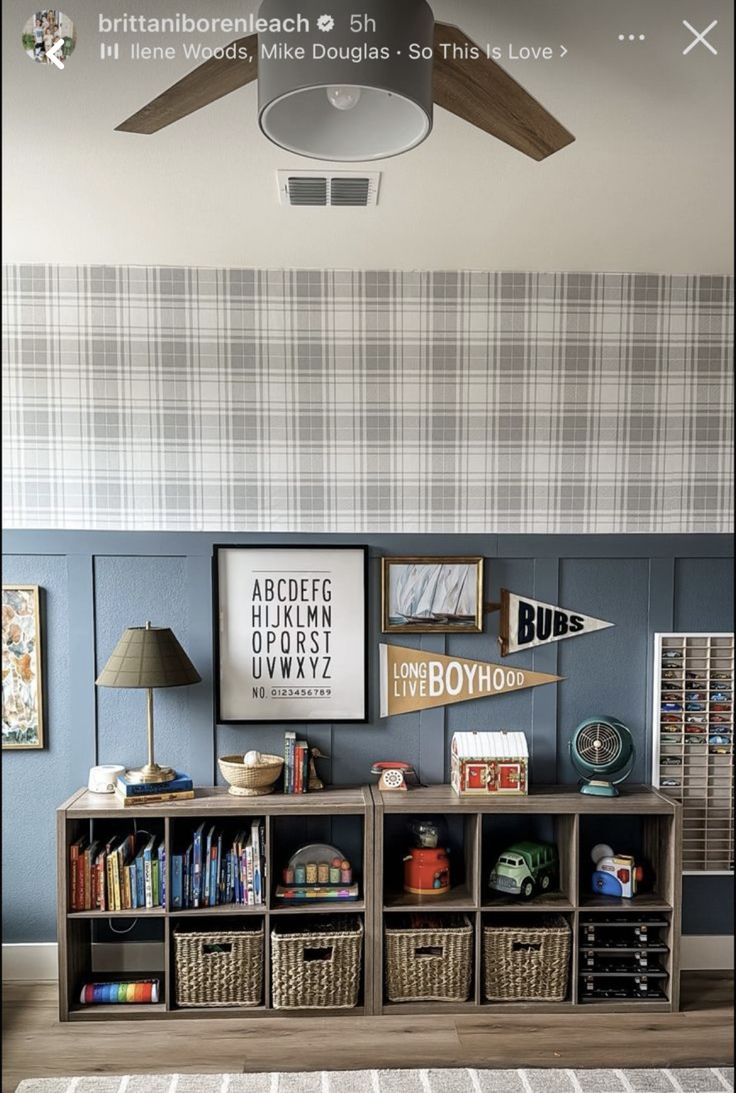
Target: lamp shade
[
  {"x": 148, "y": 656},
  {"x": 347, "y": 87}
]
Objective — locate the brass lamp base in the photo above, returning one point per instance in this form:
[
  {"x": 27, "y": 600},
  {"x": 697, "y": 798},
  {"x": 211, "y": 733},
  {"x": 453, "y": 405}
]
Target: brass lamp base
[{"x": 152, "y": 772}]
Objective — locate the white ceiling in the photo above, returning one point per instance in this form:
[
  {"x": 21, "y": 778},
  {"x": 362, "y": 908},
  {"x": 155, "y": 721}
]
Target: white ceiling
[{"x": 646, "y": 186}]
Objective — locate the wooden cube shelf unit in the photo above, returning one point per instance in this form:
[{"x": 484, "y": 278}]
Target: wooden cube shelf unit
[
  {"x": 640, "y": 820},
  {"x": 372, "y": 825},
  {"x": 330, "y": 816}
]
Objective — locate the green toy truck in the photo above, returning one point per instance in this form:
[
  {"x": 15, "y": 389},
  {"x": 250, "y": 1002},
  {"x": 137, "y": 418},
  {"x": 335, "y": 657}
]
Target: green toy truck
[{"x": 525, "y": 869}]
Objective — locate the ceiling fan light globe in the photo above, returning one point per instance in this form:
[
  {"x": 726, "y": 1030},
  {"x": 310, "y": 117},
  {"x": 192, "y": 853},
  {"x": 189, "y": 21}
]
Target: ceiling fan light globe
[
  {"x": 310, "y": 102},
  {"x": 343, "y": 98}
]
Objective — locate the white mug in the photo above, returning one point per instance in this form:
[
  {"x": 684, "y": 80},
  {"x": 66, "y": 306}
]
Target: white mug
[{"x": 102, "y": 779}]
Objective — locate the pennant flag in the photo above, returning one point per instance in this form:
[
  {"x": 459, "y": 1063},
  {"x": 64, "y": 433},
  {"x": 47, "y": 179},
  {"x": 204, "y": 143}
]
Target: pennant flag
[
  {"x": 526, "y": 623},
  {"x": 412, "y": 679}
]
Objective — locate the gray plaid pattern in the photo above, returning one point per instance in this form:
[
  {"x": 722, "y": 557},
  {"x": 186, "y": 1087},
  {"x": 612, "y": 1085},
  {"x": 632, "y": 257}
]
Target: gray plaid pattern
[{"x": 201, "y": 399}]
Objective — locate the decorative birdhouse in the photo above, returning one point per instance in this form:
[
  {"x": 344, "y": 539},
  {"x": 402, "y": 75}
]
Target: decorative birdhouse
[{"x": 489, "y": 762}]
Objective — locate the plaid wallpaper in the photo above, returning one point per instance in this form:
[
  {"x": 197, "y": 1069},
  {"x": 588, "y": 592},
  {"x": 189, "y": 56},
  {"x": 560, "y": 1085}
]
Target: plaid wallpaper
[{"x": 200, "y": 399}]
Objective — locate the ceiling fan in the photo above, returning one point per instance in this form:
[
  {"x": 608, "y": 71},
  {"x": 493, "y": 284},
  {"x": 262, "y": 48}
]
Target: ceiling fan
[{"x": 321, "y": 98}]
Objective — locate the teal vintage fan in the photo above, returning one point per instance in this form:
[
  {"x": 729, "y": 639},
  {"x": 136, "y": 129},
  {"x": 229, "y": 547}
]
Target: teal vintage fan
[{"x": 602, "y": 752}]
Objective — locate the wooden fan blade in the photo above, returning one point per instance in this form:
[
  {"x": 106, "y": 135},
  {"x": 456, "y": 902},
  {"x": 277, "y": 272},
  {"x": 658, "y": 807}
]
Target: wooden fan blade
[
  {"x": 481, "y": 92},
  {"x": 210, "y": 81}
]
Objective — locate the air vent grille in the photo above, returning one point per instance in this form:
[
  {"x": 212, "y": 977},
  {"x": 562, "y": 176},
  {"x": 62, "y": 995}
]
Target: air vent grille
[
  {"x": 336, "y": 189},
  {"x": 307, "y": 191},
  {"x": 349, "y": 191}
]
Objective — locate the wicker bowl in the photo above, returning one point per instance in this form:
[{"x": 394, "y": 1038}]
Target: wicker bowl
[{"x": 247, "y": 781}]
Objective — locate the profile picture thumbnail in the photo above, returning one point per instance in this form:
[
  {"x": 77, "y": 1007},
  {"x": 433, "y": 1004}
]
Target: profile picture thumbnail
[{"x": 43, "y": 32}]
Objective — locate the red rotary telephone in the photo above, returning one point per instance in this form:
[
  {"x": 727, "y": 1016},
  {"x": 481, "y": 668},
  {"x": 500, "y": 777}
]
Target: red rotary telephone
[{"x": 394, "y": 775}]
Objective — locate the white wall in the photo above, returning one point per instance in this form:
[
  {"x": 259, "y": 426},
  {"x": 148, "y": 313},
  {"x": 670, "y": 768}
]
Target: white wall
[{"x": 646, "y": 186}]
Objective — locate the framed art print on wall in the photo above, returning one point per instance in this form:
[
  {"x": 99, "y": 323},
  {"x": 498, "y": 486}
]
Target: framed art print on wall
[
  {"x": 432, "y": 595},
  {"x": 22, "y": 675},
  {"x": 290, "y": 632}
]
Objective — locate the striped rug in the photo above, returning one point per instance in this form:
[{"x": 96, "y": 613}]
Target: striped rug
[{"x": 696, "y": 1080}]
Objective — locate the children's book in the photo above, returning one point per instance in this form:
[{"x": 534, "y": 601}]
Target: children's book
[
  {"x": 177, "y": 878},
  {"x": 197, "y": 866},
  {"x": 128, "y": 787}
]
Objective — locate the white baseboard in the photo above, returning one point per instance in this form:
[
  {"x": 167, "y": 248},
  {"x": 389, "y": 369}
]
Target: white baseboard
[
  {"x": 706, "y": 952},
  {"x": 38, "y": 962}
]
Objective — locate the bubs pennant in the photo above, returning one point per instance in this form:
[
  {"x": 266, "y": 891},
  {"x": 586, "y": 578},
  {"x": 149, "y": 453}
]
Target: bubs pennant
[
  {"x": 414, "y": 680},
  {"x": 527, "y": 623}
]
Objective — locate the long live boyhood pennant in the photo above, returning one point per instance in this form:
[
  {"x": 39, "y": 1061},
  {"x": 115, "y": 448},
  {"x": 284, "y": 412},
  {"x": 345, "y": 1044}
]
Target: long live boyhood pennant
[
  {"x": 414, "y": 680},
  {"x": 526, "y": 623}
]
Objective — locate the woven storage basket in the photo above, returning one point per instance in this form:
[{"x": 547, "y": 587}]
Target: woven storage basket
[
  {"x": 318, "y": 966},
  {"x": 429, "y": 958},
  {"x": 526, "y": 963},
  {"x": 219, "y": 968}
]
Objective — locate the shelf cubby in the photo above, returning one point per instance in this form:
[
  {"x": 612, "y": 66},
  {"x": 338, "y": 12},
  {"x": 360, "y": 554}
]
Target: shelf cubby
[
  {"x": 460, "y": 837},
  {"x": 501, "y": 830},
  {"x": 647, "y": 838}
]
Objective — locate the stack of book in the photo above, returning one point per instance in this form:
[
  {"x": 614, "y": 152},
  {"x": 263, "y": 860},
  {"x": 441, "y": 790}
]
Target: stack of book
[
  {"x": 296, "y": 764},
  {"x": 209, "y": 874},
  {"x": 123, "y": 874},
  {"x": 128, "y": 792}
]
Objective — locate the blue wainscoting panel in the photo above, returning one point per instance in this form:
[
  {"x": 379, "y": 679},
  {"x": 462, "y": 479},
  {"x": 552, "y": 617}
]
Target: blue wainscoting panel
[
  {"x": 703, "y": 594},
  {"x": 129, "y": 591},
  {"x": 35, "y": 782},
  {"x": 506, "y": 711},
  {"x": 98, "y": 583},
  {"x": 604, "y": 672}
]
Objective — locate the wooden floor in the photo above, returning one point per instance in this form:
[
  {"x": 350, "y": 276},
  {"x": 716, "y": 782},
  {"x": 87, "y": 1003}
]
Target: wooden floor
[{"x": 36, "y": 1045}]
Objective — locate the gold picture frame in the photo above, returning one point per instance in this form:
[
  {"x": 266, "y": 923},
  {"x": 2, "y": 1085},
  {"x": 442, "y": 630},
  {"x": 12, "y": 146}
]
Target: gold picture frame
[
  {"x": 22, "y": 667},
  {"x": 432, "y": 595}
]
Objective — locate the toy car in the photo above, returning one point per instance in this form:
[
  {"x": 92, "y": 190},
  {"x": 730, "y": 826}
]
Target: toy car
[
  {"x": 719, "y": 707},
  {"x": 695, "y": 696},
  {"x": 694, "y": 739},
  {"x": 672, "y": 654},
  {"x": 669, "y": 783},
  {"x": 671, "y": 761},
  {"x": 719, "y": 750},
  {"x": 720, "y": 696},
  {"x": 719, "y": 719},
  {"x": 694, "y": 706},
  {"x": 670, "y": 719},
  {"x": 525, "y": 868},
  {"x": 670, "y": 738},
  {"x": 671, "y": 707},
  {"x": 717, "y": 738}
]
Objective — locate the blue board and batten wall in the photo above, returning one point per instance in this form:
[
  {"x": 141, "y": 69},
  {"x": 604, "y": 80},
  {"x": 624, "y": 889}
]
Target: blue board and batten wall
[{"x": 97, "y": 583}]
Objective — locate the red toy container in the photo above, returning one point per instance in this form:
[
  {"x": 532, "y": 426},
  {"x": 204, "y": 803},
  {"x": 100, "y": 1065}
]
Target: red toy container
[{"x": 427, "y": 871}]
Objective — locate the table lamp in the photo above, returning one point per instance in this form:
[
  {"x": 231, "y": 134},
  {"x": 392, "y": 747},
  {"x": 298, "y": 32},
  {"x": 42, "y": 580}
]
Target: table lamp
[{"x": 147, "y": 657}]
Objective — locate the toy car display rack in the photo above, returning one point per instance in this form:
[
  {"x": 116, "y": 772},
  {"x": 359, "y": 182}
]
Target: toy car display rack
[{"x": 693, "y": 742}]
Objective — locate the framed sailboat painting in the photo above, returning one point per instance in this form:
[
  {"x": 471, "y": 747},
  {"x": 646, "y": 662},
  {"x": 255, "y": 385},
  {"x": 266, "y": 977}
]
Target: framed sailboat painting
[{"x": 432, "y": 595}]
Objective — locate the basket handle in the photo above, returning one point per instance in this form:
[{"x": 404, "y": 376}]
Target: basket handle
[
  {"x": 215, "y": 948},
  {"x": 424, "y": 951},
  {"x": 526, "y": 946},
  {"x": 313, "y": 952}
]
